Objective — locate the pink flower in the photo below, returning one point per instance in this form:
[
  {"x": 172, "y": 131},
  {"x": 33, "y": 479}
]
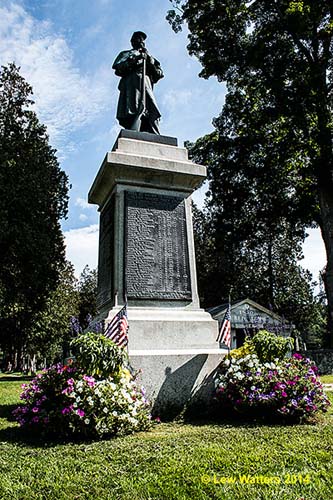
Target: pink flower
[
  {"x": 80, "y": 412},
  {"x": 65, "y": 411},
  {"x": 35, "y": 410},
  {"x": 283, "y": 394},
  {"x": 90, "y": 380}
]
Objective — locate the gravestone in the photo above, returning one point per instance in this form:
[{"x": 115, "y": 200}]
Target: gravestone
[{"x": 146, "y": 253}]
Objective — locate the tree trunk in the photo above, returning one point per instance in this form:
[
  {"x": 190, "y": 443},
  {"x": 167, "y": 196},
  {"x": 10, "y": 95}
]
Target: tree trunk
[{"x": 326, "y": 226}]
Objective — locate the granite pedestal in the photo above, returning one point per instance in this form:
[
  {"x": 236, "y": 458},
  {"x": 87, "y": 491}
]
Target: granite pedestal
[{"x": 146, "y": 253}]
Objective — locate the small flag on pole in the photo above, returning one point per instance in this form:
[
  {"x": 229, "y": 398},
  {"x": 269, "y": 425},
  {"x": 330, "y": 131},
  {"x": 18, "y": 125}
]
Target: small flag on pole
[
  {"x": 224, "y": 335},
  {"x": 117, "y": 329}
]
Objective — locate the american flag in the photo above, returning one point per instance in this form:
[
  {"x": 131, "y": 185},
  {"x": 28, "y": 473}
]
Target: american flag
[
  {"x": 224, "y": 335},
  {"x": 117, "y": 329}
]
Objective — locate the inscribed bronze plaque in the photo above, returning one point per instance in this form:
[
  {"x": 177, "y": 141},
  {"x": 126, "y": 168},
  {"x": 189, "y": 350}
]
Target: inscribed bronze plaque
[{"x": 156, "y": 251}]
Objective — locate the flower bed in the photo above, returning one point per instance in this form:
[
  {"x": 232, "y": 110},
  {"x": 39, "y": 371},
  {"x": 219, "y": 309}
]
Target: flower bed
[
  {"x": 65, "y": 400},
  {"x": 288, "y": 388}
]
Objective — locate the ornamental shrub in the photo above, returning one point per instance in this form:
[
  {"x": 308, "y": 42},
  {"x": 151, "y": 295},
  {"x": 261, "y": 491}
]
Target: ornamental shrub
[
  {"x": 244, "y": 350},
  {"x": 287, "y": 388},
  {"x": 97, "y": 355},
  {"x": 269, "y": 346},
  {"x": 70, "y": 400},
  {"x": 266, "y": 345}
]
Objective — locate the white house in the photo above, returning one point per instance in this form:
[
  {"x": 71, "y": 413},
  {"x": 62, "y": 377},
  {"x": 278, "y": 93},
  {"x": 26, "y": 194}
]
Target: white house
[{"x": 247, "y": 317}]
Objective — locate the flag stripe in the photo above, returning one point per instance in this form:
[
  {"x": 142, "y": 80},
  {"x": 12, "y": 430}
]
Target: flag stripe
[
  {"x": 224, "y": 335},
  {"x": 117, "y": 329}
]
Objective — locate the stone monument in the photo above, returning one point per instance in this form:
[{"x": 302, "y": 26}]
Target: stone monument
[{"x": 146, "y": 256}]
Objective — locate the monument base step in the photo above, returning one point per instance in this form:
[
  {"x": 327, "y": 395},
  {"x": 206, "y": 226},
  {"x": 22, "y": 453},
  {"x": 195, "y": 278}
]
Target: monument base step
[
  {"x": 163, "y": 328},
  {"x": 175, "y": 381}
]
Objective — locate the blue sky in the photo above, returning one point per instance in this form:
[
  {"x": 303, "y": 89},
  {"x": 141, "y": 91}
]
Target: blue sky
[{"x": 66, "y": 49}]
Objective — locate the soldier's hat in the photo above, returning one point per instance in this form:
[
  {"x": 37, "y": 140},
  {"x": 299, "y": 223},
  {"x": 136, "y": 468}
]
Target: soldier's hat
[{"x": 139, "y": 33}]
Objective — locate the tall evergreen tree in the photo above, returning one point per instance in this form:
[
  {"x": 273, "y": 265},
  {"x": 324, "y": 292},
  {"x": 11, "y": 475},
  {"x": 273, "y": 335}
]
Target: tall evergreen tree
[{"x": 33, "y": 199}]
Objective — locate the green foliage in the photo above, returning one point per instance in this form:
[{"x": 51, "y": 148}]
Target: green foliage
[
  {"x": 269, "y": 346},
  {"x": 50, "y": 333},
  {"x": 87, "y": 296},
  {"x": 97, "y": 355},
  {"x": 33, "y": 199},
  {"x": 266, "y": 345},
  {"x": 270, "y": 158}
]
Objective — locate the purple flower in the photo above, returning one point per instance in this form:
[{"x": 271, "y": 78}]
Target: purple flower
[
  {"x": 80, "y": 412},
  {"x": 296, "y": 355},
  {"x": 65, "y": 411},
  {"x": 90, "y": 380},
  {"x": 35, "y": 410}
]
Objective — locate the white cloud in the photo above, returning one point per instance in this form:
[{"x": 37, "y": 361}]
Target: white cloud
[
  {"x": 82, "y": 247},
  {"x": 83, "y": 217},
  {"x": 175, "y": 98},
  {"x": 82, "y": 203},
  {"x": 65, "y": 98}
]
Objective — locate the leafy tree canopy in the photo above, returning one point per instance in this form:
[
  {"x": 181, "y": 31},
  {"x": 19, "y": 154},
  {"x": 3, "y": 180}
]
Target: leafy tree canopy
[{"x": 276, "y": 58}]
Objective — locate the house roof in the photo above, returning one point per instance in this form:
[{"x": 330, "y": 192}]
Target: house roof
[{"x": 220, "y": 310}]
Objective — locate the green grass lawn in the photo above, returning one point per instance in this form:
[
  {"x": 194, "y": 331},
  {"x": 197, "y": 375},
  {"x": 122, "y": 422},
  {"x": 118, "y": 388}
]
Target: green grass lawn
[
  {"x": 173, "y": 461},
  {"x": 327, "y": 379}
]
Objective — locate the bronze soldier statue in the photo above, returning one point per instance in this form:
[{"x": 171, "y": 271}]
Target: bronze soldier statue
[{"x": 139, "y": 71}]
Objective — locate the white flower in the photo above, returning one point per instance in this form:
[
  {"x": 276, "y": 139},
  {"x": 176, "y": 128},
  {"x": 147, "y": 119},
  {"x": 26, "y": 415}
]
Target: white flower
[
  {"x": 114, "y": 413},
  {"x": 86, "y": 421},
  {"x": 105, "y": 410},
  {"x": 227, "y": 362}
]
